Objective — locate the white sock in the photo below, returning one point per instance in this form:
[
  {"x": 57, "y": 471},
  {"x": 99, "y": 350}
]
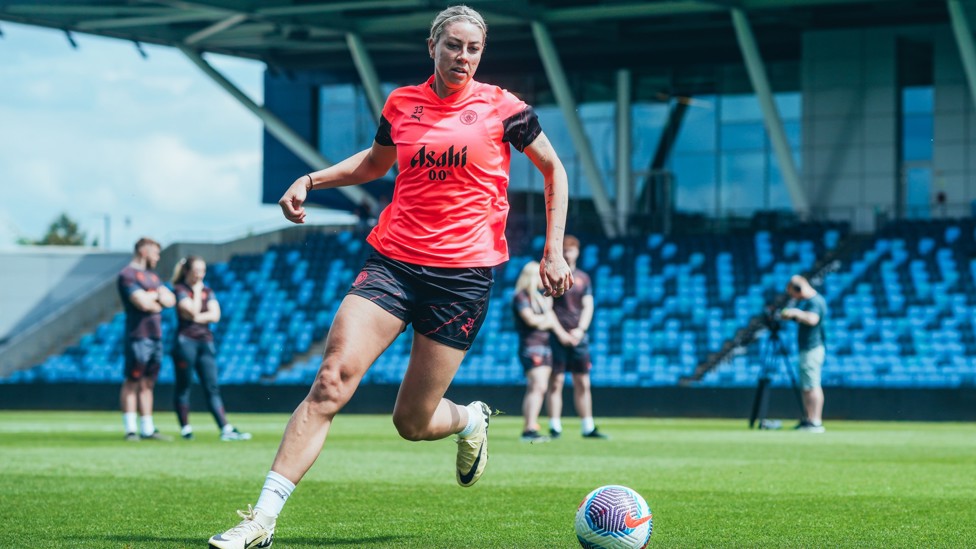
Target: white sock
[
  {"x": 129, "y": 422},
  {"x": 187, "y": 429},
  {"x": 148, "y": 427},
  {"x": 588, "y": 425},
  {"x": 227, "y": 428},
  {"x": 276, "y": 491},
  {"x": 556, "y": 424},
  {"x": 472, "y": 423}
]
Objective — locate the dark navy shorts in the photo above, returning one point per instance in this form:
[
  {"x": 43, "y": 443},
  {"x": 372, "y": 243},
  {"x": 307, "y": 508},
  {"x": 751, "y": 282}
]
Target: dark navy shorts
[
  {"x": 534, "y": 356},
  {"x": 447, "y": 305},
  {"x": 143, "y": 357},
  {"x": 571, "y": 359}
]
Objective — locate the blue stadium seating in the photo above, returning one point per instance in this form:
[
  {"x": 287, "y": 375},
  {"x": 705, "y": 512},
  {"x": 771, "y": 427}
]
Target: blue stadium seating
[{"x": 903, "y": 310}]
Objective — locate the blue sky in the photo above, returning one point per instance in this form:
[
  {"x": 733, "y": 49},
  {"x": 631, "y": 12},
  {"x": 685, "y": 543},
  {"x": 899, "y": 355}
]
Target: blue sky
[{"x": 151, "y": 144}]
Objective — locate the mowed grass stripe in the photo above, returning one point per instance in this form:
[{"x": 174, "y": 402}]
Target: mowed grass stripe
[{"x": 68, "y": 480}]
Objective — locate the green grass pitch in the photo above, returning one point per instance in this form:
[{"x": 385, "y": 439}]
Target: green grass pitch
[{"x": 68, "y": 480}]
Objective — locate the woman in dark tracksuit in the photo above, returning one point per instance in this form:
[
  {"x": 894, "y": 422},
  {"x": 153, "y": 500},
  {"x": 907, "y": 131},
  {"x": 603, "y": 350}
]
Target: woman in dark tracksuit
[{"x": 196, "y": 309}]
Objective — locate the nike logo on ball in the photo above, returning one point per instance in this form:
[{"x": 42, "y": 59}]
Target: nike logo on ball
[{"x": 631, "y": 522}]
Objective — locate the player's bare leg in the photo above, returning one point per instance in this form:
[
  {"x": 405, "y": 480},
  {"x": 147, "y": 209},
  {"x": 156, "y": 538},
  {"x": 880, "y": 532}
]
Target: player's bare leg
[
  {"x": 360, "y": 332},
  {"x": 536, "y": 382},
  {"x": 583, "y": 400},
  {"x": 554, "y": 396},
  {"x": 422, "y": 413}
]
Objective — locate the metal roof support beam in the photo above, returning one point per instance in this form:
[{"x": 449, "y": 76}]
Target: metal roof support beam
[
  {"x": 278, "y": 128},
  {"x": 333, "y": 7},
  {"x": 176, "y": 16},
  {"x": 625, "y": 182},
  {"x": 367, "y": 73},
  {"x": 564, "y": 97},
  {"x": 964, "y": 39},
  {"x": 216, "y": 28},
  {"x": 774, "y": 124}
]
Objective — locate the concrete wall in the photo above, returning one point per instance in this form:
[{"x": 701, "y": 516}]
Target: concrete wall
[
  {"x": 849, "y": 112},
  {"x": 850, "y": 123},
  {"x": 954, "y": 154},
  {"x": 39, "y": 280}
]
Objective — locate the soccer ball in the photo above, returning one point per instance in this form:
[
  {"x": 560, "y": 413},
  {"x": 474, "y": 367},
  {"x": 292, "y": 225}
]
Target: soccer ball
[{"x": 613, "y": 517}]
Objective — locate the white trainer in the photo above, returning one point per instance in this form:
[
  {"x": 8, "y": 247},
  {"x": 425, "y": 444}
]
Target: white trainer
[
  {"x": 472, "y": 453},
  {"x": 249, "y": 534},
  {"x": 233, "y": 434}
]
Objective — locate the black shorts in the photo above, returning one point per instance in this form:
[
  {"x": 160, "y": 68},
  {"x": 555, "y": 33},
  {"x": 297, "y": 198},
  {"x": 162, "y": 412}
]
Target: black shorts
[
  {"x": 571, "y": 359},
  {"x": 534, "y": 356},
  {"x": 143, "y": 357},
  {"x": 447, "y": 305}
]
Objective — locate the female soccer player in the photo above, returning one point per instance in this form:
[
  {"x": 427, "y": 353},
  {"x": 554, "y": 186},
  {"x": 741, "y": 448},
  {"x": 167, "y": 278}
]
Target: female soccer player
[
  {"x": 435, "y": 246},
  {"x": 196, "y": 309},
  {"x": 534, "y": 320}
]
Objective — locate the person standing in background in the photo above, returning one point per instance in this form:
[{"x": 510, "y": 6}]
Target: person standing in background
[
  {"x": 809, "y": 311},
  {"x": 143, "y": 298},
  {"x": 571, "y": 348},
  {"x": 534, "y": 319},
  {"x": 196, "y": 309}
]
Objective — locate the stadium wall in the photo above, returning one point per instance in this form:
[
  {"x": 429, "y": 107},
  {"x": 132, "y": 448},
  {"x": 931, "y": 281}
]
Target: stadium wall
[
  {"x": 38, "y": 280},
  {"x": 841, "y": 403},
  {"x": 954, "y": 144},
  {"x": 854, "y": 168}
]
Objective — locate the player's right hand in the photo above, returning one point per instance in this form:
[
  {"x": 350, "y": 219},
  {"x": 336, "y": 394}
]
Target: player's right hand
[
  {"x": 555, "y": 274},
  {"x": 292, "y": 201}
]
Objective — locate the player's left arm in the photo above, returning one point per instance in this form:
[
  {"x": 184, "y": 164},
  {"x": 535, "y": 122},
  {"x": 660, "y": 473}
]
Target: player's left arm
[
  {"x": 586, "y": 314},
  {"x": 212, "y": 314},
  {"x": 565, "y": 337},
  {"x": 553, "y": 269},
  {"x": 165, "y": 297}
]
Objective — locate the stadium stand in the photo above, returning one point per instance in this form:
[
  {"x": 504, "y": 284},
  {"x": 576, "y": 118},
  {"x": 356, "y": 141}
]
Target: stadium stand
[{"x": 903, "y": 310}]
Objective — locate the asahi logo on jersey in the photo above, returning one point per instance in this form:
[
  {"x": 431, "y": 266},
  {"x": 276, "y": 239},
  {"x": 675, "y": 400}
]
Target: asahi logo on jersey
[{"x": 451, "y": 158}]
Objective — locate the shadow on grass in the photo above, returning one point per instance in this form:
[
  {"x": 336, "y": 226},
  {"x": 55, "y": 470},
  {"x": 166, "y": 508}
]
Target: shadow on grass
[{"x": 290, "y": 542}]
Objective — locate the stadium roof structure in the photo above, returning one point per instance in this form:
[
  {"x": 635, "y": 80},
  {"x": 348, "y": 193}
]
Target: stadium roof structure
[
  {"x": 310, "y": 34},
  {"x": 370, "y": 39}
]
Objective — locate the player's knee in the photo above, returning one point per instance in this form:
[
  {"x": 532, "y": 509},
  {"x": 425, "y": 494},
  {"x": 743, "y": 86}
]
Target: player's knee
[
  {"x": 408, "y": 428},
  {"x": 537, "y": 388},
  {"x": 329, "y": 387}
]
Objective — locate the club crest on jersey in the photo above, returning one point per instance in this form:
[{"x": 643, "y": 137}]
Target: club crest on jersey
[
  {"x": 450, "y": 158},
  {"x": 468, "y": 117}
]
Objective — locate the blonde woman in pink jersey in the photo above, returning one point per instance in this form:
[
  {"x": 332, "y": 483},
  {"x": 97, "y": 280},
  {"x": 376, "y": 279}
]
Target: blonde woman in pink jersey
[{"x": 435, "y": 247}]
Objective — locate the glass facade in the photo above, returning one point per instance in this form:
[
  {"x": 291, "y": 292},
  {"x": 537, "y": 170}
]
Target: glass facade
[
  {"x": 721, "y": 163},
  {"x": 346, "y": 124},
  {"x": 918, "y": 127}
]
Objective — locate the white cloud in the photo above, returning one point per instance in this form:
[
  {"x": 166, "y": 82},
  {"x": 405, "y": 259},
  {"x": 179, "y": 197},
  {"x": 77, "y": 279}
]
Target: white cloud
[
  {"x": 100, "y": 132},
  {"x": 204, "y": 182}
]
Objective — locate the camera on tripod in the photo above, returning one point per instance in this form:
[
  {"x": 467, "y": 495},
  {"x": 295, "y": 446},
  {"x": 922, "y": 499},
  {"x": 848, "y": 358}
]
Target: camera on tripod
[
  {"x": 773, "y": 317},
  {"x": 774, "y": 359}
]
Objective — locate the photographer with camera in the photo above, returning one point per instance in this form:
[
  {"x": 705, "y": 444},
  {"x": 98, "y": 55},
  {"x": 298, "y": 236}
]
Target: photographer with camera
[{"x": 809, "y": 311}]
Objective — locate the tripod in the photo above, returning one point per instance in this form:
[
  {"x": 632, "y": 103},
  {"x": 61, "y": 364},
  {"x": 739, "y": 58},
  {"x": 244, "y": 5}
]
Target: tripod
[{"x": 774, "y": 358}]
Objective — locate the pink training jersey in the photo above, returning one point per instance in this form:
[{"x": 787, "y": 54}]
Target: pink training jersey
[{"x": 450, "y": 203}]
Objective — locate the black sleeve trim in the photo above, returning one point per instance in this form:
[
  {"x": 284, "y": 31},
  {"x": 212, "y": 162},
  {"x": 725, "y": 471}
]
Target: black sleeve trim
[
  {"x": 521, "y": 129},
  {"x": 383, "y": 136}
]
